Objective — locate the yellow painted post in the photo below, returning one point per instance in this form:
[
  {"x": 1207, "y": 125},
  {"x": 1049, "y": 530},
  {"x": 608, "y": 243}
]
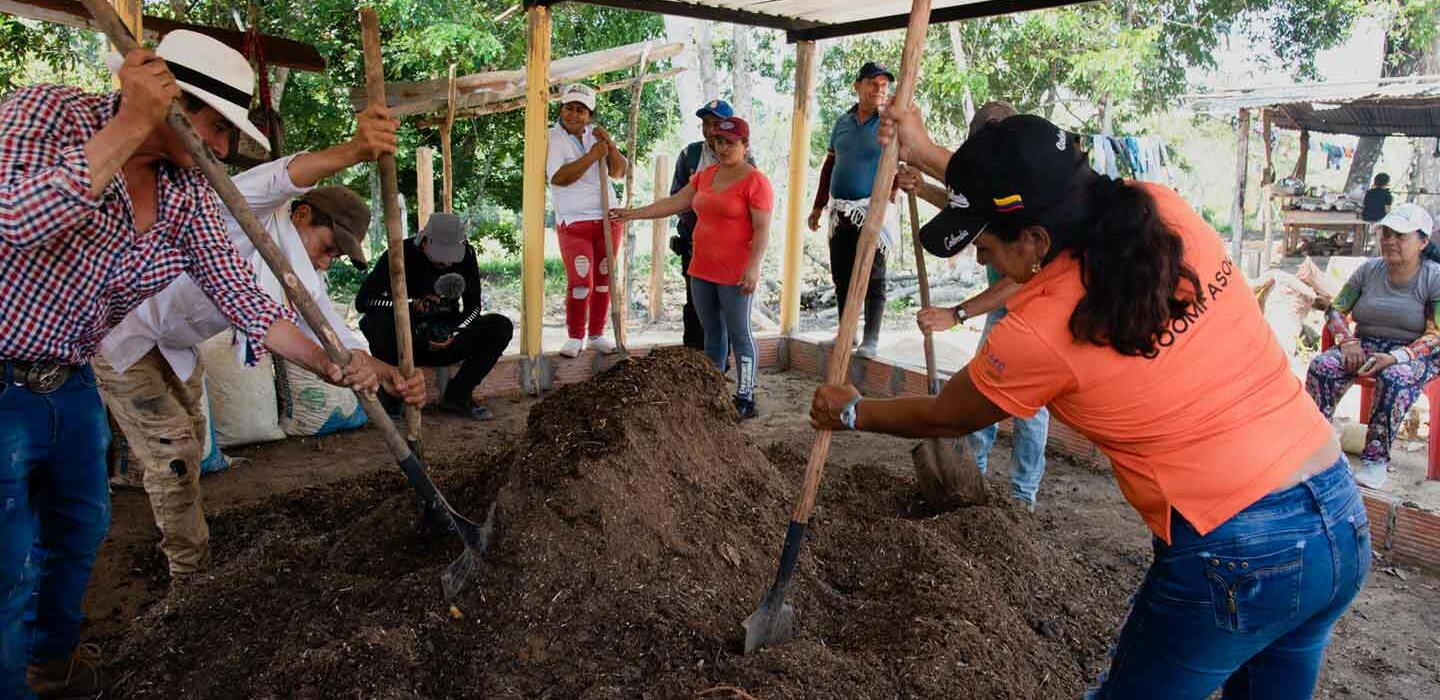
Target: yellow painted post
[
  {"x": 795, "y": 211},
  {"x": 424, "y": 183},
  {"x": 130, "y": 12},
  {"x": 532, "y": 250},
  {"x": 657, "y": 242}
]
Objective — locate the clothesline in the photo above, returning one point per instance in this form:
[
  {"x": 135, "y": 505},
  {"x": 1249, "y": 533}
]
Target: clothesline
[{"x": 1133, "y": 157}]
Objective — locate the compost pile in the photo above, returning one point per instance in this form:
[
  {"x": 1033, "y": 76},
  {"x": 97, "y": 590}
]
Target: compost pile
[{"x": 636, "y": 527}]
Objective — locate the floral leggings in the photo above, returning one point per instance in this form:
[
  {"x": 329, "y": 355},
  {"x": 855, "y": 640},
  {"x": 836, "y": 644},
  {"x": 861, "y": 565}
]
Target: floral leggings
[{"x": 1396, "y": 389}]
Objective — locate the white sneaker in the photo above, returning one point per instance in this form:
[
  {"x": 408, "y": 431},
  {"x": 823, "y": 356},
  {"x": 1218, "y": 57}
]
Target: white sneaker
[
  {"x": 1372, "y": 474},
  {"x": 601, "y": 344},
  {"x": 572, "y": 347}
]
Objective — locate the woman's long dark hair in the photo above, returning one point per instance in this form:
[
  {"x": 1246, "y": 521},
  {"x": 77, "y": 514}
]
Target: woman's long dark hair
[{"x": 1130, "y": 264}]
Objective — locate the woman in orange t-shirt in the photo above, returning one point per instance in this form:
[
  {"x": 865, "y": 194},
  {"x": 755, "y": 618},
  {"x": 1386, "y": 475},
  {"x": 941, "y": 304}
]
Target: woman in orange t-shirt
[
  {"x": 1134, "y": 327},
  {"x": 732, "y": 201}
]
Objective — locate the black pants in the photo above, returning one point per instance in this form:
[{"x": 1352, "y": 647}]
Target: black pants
[
  {"x": 694, "y": 337},
  {"x": 477, "y": 347},
  {"x": 843, "y": 244}
]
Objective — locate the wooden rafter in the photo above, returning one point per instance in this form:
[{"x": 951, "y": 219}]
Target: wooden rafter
[
  {"x": 510, "y": 105},
  {"x": 278, "y": 51},
  {"x": 477, "y": 89}
]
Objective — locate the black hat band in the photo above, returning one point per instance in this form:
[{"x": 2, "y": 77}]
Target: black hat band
[{"x": 220, "y": 89}]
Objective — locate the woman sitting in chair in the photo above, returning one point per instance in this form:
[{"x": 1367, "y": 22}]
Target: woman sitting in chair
[{"x": 1395, "y": 303}]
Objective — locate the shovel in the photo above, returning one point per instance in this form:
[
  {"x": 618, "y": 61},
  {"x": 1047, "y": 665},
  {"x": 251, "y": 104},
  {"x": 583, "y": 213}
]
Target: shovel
[
  {"x": 774, "y": 621},
  {"x": 617, "y": 319},
  {"x": 476, "y": 537},
  {"x": 946, "y": 481}
]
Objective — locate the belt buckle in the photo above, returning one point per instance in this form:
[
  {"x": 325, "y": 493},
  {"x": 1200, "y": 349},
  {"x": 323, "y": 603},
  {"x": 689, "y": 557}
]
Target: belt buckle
[{"x": 46, "y": 377}]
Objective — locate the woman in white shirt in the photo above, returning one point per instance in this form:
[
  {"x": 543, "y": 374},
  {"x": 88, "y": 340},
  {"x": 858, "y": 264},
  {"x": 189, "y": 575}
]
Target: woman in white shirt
[{"x": 575, "y": 148}]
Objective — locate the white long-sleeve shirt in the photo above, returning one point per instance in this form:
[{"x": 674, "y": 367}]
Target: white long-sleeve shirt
[{"x": 181, "y": 316}]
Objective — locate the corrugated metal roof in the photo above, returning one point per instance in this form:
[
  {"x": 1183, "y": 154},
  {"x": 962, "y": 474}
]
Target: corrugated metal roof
[
  {"x": 1408, "y": 106},
  {"x": 823, "y": 19}
]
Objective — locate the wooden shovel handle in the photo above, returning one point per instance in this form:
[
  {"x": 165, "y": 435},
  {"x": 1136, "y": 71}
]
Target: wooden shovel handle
[
  {"x": 394, "y": 226},
  {"x": 839, "y": 367},
  {"x": 923, "y": 277},
  {"x": 617, "y": 319},
  {"x": 119, "y": 35}
]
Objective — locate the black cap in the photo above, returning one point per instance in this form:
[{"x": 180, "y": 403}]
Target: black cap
[
  {"x": 1022, "y": 171},
  {"x": 872, "y": 69}
]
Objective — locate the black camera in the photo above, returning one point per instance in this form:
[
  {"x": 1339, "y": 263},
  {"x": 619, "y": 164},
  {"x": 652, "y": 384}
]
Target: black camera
[{"x": 438, "y": 324}]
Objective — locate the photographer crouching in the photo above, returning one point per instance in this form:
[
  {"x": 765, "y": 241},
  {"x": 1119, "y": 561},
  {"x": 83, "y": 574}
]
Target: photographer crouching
[{"x": 442, "y": 279}]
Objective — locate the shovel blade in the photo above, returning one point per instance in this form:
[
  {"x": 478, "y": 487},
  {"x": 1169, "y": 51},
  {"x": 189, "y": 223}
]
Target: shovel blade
[
  {"x": 947, "y": 476},
  {"x": 462, "y": 571},
  {"x": 771, "y": 624}
]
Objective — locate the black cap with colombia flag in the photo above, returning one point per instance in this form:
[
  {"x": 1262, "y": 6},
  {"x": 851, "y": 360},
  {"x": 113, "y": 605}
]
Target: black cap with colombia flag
[{"x": 1021, "y": 171}]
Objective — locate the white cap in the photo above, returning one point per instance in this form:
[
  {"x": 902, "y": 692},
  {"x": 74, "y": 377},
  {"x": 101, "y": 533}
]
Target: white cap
[
  {"x": 214, "y": 73},
  {"x": 576, "y": 92},
  {"x": 1406, "y": 218}
]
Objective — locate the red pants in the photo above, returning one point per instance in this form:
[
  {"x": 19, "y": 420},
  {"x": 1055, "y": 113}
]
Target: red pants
[{"x": 587, "y": 276}]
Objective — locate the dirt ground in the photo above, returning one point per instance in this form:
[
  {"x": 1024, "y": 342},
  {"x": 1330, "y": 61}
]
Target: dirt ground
[{"x": 617, "y": 574}]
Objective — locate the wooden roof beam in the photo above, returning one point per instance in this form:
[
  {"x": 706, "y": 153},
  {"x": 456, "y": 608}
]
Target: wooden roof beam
[
  {"x": 479, "y": 89},
  {"x": 278, "y": 51},
  {"x": 498, "y": 105}
]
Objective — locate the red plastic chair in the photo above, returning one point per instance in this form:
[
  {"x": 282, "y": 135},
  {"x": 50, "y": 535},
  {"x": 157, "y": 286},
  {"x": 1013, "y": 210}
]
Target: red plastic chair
[{"x": 1432, "y": 397}]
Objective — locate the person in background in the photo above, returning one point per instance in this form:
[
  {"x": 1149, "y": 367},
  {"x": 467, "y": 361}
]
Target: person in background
[
  {"x": 1377, "y": 199},
  {"x": 1395, "y": 302},
  {"x": 1134, "y": 327},
  {"x": 846, "y": 180},
  {"x": 694, "y": 158},
  {"x": 1027, "y": 460},
  {"x": 732, "y": 201},
  {"x": 101, "y": 207},
  {"x": 572, "y": 165},
  {"x": 148, "y": 371},
  {"x": 442, "y": 280}
]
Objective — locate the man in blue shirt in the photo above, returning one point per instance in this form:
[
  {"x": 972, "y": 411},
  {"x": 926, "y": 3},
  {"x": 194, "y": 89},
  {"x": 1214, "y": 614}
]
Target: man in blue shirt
[{"x": 845, "y": 183}]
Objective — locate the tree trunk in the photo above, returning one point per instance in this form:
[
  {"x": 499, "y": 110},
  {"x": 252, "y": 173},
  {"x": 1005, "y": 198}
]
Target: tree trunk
[
  {"x": 962, "y": 64},
  {"x": 1425, "y": 162},
  {"x": 740, "y": 73},
  {"x": 687, "y": 84},
  {"x": 1396, "y": 61},
  {"x": 705, "y": 50}
]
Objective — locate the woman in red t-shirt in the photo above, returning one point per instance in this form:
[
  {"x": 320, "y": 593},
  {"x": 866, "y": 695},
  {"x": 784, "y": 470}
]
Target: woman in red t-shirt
[{"x": 732, "y": 201}]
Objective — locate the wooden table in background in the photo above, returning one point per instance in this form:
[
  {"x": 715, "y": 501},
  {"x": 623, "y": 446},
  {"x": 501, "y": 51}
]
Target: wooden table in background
[{"x": 1296, "y": 219}]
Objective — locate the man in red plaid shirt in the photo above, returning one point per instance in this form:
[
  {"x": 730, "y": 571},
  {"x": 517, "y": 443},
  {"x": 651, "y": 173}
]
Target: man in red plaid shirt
[{"x": 101, "y": 207}]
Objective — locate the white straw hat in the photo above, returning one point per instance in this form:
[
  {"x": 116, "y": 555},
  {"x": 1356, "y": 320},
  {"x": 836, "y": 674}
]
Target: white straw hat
[{"x": 214, "y": 73}]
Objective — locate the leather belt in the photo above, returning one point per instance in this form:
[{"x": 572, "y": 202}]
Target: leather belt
[{"x": 39, "y": 377}]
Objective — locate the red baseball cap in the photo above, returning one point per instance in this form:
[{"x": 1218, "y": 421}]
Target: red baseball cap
[{"x": 733, "y": 129}]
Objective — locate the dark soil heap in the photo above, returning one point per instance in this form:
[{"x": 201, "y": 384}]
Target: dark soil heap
[{"x": 637, "y": 526}]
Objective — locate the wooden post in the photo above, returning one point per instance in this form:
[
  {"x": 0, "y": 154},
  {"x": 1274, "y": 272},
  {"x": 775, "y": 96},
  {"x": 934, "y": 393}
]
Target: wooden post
[
  {"x": 1237, "y": 208},
  {"x": 424, "y": 184},
  {"x": 1267, "y": 185},
  {"x": 658, "y": 229},
  {"x": 796, "y": 212},
  {"x": 131, "y": 14},
  {"x": 623, "y": 290},
  {"x": 390, "y": 194},
  {"x": 532, "y": 250},
  {"x": 445, "y": 153}
]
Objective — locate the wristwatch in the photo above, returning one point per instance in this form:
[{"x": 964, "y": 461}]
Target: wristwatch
[
  {"x": 847, "y": 414},
  {"x": 960, "y": 314}
]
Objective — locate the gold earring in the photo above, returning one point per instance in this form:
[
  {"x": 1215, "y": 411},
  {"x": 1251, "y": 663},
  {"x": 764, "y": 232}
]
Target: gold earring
[{"x": 1035, "y": 267}]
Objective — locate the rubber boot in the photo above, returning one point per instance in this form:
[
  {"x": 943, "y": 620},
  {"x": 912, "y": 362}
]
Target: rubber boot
[
  {"x": 77, "y": 675},
  {"x": 874, "y": 316}
]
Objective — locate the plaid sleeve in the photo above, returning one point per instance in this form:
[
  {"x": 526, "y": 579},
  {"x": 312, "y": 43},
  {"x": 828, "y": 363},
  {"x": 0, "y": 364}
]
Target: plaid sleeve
[
  {"x": 44, "y": 173},
  {"x": 227, "y": 278}
]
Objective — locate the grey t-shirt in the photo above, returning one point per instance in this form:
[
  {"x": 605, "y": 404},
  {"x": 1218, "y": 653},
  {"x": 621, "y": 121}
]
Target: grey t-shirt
[{"x": 1387, "y": 310}]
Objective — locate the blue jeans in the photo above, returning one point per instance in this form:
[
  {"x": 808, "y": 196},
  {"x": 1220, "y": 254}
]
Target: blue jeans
[
  {"x": 1248, "y": 607},
  {"x": 724, "y": 312},
  {"x": 1027, "y": 461},
  {"x": 54, "y": 512}
]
